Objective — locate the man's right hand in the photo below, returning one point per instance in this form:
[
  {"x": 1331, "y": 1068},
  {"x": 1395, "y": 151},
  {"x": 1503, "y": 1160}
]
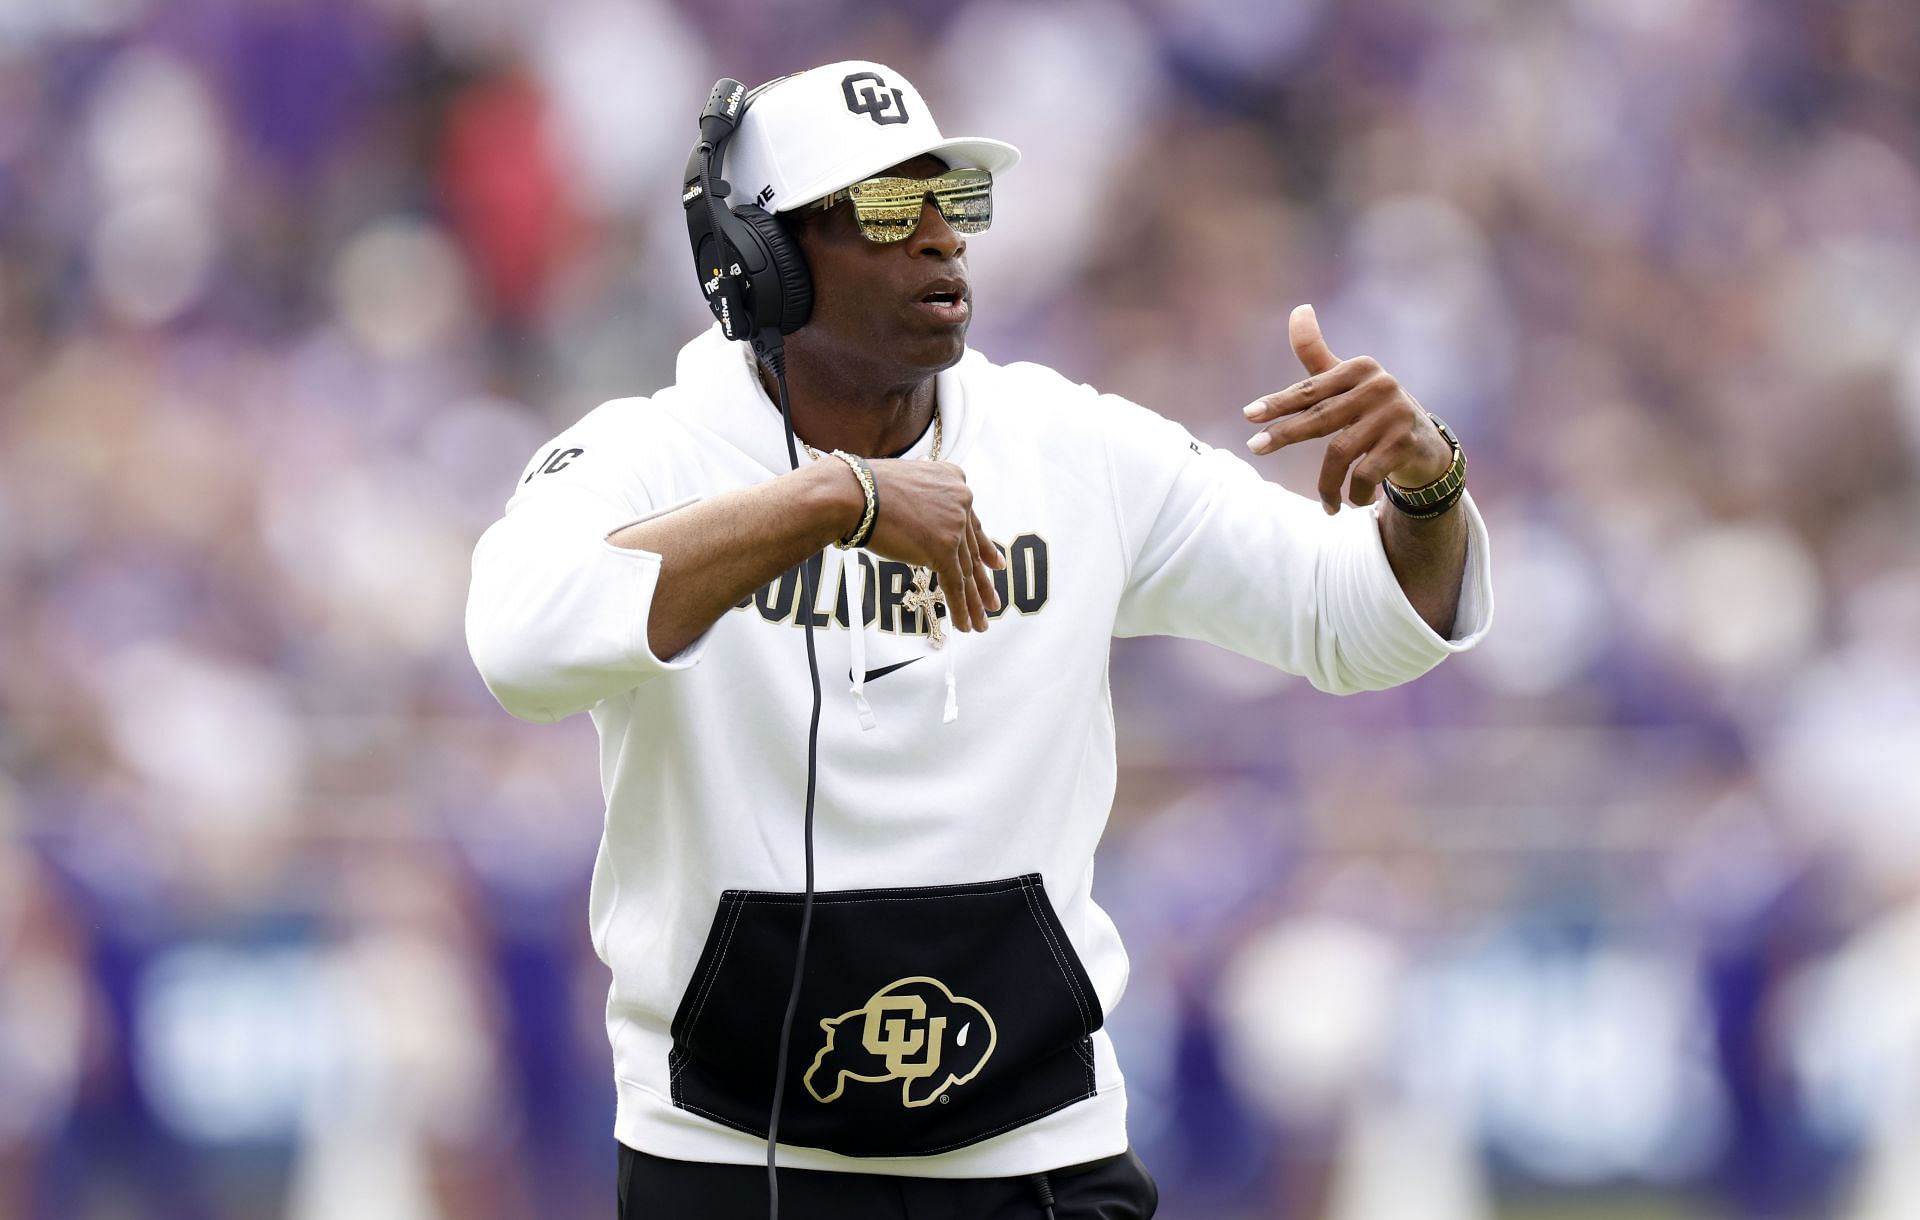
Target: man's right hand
[{"x": 926, "y": 519}]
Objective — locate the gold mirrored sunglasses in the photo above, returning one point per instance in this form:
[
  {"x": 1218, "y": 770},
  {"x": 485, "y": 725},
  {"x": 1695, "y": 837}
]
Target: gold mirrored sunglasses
[{"x": 888, "y": 209}]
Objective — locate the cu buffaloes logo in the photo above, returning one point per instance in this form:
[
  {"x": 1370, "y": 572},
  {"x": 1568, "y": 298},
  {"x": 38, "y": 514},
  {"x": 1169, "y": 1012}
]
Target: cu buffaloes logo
[
  {"x": 914, "y": 1031},
  {"x": 874, "y": 99}
]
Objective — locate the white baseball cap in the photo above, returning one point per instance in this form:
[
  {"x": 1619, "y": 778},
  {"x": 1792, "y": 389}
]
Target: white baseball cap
[{"x": 807, "y": 135}]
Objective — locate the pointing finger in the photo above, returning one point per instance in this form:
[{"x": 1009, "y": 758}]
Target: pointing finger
[
  {"x": 1301, "y": 394},
  {"x": 1303, "y": 332},
  {"x": 1322, "y": 418}
]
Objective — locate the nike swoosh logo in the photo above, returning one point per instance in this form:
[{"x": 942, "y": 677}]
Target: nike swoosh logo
[{"x": 884, "y": 670}]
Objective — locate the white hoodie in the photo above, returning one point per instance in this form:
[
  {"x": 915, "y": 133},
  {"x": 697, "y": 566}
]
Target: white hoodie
[{"x": 954, "y": 860}]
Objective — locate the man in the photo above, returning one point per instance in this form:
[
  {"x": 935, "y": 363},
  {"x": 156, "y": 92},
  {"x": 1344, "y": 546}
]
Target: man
[{"x": 659, "y": 565}]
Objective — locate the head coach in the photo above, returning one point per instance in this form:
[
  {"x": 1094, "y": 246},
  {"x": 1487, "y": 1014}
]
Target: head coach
[{"x": 856, "y": 934}]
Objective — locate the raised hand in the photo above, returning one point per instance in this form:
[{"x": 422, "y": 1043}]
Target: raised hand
[{"x": 1378, "y": 430}]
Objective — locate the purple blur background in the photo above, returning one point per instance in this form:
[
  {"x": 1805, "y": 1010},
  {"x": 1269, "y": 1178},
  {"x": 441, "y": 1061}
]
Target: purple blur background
[{"x": 1617, "y": 918}]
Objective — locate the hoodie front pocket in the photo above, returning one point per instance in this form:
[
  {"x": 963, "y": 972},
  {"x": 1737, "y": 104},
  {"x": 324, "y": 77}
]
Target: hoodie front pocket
[{"x": 929, "y": 1018}]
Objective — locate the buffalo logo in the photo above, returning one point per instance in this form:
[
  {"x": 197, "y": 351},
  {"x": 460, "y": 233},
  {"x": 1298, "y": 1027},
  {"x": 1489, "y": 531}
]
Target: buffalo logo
[
  {"x": 914, "y": 1031},
  {"x": 874, "y": 99}
]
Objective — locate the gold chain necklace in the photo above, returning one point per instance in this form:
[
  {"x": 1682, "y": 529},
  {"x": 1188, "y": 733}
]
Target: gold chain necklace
[
  {"x": 934, "y": 456},
  {"x": 922, "y": 598}
]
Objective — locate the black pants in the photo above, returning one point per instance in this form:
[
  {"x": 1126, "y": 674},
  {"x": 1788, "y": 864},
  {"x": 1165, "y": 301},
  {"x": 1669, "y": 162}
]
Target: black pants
[{"x": 655, "y": 1188}]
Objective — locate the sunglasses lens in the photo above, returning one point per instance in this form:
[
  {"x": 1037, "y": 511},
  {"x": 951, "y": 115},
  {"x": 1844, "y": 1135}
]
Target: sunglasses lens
[
  {"x": 889, "y": 208},
  {"x": 967, "y": 201}
]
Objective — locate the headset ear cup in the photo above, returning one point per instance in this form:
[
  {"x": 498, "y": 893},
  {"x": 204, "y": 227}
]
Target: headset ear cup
[{"x": 795, "y": 281}]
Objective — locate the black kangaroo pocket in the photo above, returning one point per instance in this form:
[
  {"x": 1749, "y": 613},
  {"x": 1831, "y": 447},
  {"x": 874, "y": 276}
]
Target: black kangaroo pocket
[{"x": 930, "y": 1018}]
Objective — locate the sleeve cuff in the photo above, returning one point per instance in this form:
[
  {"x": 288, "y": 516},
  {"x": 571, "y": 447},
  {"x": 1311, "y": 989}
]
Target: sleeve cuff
[
  {"x": 1394, "y": 642},
  {"x": 648, "y": 579}
]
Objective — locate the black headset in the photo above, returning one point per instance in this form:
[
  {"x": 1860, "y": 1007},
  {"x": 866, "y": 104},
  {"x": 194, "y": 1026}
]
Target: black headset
[{"x": 755, "y": 280}]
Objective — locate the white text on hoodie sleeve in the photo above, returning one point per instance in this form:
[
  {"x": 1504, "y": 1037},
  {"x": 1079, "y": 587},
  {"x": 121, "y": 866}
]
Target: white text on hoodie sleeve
[
  {"x": 556, "y": 614},
  {"x": 1218, "y": 553}
]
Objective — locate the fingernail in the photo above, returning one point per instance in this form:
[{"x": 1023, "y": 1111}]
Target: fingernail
[
  {"x": 1260, "y": 442},
  {"x": 1331, "y": 508},
  {"x": 1252, "y": 410}
]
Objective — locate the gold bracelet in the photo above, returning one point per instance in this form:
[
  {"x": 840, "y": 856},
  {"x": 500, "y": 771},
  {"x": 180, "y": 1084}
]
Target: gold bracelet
[{"x": 863, "y": 472}]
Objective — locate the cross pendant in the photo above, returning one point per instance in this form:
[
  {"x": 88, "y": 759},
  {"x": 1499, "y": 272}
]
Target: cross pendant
[{"x": 921, "y": 600}]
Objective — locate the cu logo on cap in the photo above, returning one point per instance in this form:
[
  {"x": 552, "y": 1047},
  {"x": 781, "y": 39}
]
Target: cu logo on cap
[{"x": 874, "y": 99}]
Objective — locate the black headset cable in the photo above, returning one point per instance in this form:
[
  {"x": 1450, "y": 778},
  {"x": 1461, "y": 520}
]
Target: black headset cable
[
  {"x": 716, "y": 126},
  {"x": 772, "y": 351}
]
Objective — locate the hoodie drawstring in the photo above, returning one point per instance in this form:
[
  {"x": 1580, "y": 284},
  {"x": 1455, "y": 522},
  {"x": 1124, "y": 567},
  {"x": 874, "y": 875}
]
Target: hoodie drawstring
[
  {"x": 853, "y": 579},
  {"x": 952, "y": 712}
]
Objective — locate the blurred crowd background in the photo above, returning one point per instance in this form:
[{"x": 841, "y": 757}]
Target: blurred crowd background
[{"x": 1617, "y": 918}]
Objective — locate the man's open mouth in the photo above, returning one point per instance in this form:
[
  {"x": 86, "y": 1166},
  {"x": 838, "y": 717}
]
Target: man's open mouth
[{"x": 946, "y": 302}]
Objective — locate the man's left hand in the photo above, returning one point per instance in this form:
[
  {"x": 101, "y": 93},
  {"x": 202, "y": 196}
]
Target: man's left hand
[{"x": 1379, "y": 430}]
